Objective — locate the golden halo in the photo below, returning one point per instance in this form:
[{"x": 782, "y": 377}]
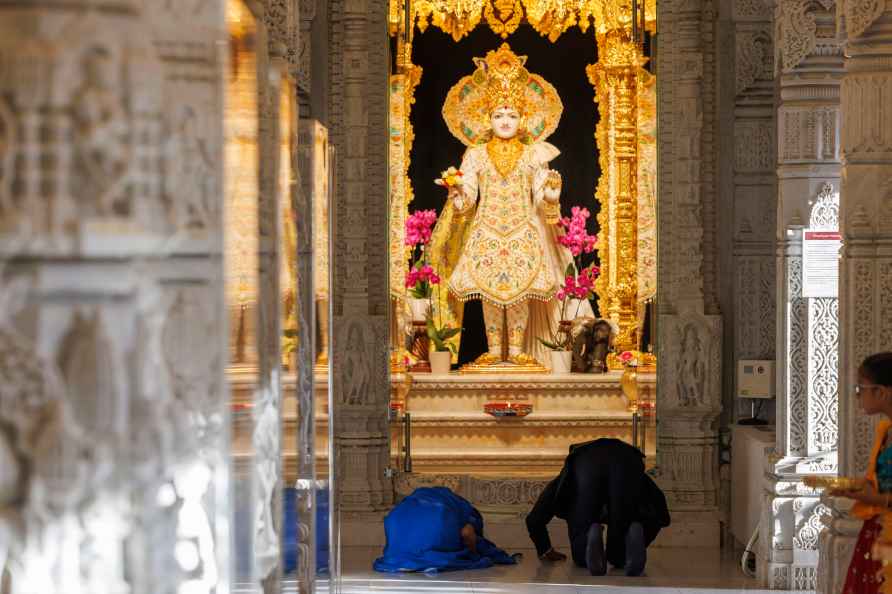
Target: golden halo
[{"x": 465, "y": 109}]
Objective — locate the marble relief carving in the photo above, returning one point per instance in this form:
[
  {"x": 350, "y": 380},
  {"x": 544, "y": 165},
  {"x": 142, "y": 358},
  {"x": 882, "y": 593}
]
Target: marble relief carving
[
  {"x": 861, "y": 427},
  {"x": 860, "y": 14},
  {"x": 189, "y": 172},
  {"x": 754, "y": 57},
  {"x": 823, "y": 374},
  {"x": 304, "y": 48},
  {"x": 108, "y": 446},
  {"x": 755, "y": 146},
  {"x": 103, "y": 150},
  {"x": 796, "y": 31}
]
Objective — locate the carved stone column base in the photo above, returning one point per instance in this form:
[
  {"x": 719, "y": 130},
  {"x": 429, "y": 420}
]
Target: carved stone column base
[
  {"x": 837, "y": 542},
  {"x": 787, "y": 556},
  {"x": 791, "y": 523}
]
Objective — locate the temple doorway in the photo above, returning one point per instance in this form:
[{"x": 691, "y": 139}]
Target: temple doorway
[{"x": 590, "y": 98}]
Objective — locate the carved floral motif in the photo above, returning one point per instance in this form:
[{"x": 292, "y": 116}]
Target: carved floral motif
[
  {"x": 861, "y": 14},
  {"x": 796, "y": 31},
  {"x": 825, "y": 210},
  {"x": 797, "y": 357}
]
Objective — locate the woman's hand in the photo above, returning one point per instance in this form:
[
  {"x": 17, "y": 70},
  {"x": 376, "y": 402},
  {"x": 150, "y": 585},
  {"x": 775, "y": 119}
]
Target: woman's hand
[{"x": 867, "y": 495}]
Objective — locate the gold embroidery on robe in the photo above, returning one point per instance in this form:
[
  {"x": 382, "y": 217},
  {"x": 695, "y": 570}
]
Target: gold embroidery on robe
[{"x": 504, "y": 260}]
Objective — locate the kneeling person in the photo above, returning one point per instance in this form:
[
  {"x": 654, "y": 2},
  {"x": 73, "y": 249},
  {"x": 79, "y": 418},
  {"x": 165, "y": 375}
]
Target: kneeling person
[
  {"x": 433, "y": 529},
  {"x": 602, "y": 483}
]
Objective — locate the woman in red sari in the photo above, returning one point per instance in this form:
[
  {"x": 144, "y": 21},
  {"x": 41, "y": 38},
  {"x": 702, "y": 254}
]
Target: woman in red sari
[{"x": 873, "y": 502}]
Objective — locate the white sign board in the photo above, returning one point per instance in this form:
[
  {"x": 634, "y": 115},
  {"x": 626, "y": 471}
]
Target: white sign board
[{"x": 820, "y": 263}]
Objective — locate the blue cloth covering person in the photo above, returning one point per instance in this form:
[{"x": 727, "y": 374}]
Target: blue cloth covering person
[{"x": 433, "y": 530}]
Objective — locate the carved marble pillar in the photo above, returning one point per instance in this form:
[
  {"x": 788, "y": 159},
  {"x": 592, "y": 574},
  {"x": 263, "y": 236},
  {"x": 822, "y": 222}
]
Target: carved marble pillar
[
  {"x": 267, "y": 406},
  {"x": 114, "y": 423},
  {"x": 305, "y": 206},
  {"x": 809, "y": 65},
  {"x": 865, "y": 311},
  {"x": 277, "y": 118},
  {"x": 689, "y": 327},
  {"x": 360, "y": 298}
]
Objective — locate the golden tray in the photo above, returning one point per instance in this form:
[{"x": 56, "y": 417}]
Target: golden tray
[{"x": 834, "y": 483}]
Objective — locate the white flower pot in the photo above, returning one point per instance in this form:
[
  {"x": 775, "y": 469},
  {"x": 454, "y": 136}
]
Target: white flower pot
[
  {"x": 440, "y": 361},
  {"x": 419, "y": 309},
  {"x": 561, "y": 361}
]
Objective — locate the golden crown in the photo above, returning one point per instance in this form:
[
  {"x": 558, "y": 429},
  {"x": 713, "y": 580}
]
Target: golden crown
[{"x": 506, "y": 79}]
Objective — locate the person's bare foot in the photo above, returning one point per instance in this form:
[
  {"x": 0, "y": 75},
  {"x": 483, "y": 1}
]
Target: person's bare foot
[{"x": 553, "y": 556}]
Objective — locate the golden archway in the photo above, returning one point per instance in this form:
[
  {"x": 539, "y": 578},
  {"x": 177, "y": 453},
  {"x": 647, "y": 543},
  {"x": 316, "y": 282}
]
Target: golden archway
[{"x": 625, "y": 134}]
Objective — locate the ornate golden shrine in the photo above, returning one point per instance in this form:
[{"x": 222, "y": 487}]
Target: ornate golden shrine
[{"x": 625, "y": 134}]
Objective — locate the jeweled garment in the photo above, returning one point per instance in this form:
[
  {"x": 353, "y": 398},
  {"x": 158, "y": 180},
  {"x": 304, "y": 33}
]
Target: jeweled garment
[
  {"x": 865, "y": 574},
  {"x": 509, "y": 256}
]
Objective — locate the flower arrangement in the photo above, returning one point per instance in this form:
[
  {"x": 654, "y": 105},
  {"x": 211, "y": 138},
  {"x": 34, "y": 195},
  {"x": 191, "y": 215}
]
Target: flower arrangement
[
  {"x": 579, "y": 280},
  {"x": 420, "y": 227},
  {"x": 422, "y": 278},
  {"x": 575, "y": 237}
]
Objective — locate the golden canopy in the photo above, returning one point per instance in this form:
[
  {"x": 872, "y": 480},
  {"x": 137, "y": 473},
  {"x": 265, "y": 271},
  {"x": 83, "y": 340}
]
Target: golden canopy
[{"x": 549, "y": 17}]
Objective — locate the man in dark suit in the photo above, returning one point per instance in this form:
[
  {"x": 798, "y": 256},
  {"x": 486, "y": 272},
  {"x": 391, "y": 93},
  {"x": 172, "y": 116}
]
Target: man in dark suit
[{"x": 602, "y": 482}]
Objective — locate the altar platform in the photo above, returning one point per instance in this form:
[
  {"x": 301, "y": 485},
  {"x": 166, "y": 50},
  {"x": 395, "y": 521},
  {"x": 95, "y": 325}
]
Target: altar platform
[{"x": 452, "y": 435}]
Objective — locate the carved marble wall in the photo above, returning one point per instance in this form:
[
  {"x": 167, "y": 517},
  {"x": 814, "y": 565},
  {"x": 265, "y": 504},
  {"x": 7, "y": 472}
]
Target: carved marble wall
[
  {"x": 808, "y": 68},
  {"x": 747, "y": 190},
  {"x": 690, "y": 327},
  {"x": 745, "y": 125},
  {"x": 113, "y": 413},
  {"x": 865, "y": 314}
]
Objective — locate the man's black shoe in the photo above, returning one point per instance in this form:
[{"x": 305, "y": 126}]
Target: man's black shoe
[
  {"x": 594, "y": 551},
  {"x": 636, "y": 551}
]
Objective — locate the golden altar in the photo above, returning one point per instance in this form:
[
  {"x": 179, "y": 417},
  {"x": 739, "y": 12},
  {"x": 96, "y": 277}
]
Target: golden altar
[{"x": 452, "y": 435}]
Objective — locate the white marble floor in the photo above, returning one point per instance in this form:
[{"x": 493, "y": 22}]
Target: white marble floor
[{"x": 669, "y": 571}]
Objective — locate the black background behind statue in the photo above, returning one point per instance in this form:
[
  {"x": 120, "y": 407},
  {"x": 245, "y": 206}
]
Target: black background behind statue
[{"x": 562, "y": 64}]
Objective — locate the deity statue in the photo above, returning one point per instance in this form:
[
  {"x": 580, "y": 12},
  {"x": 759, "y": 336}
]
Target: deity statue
[{"x": 496, "y": 239}]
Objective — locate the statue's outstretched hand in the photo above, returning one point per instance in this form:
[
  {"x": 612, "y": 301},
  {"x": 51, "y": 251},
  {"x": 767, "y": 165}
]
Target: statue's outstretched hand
[
  {"x": 457, "y": 195},
  {"x": 552, "y": 188}
]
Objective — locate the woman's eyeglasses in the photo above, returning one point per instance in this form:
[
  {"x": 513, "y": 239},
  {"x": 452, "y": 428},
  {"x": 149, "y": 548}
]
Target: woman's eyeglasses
[{"x": 858, "y": 389}]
